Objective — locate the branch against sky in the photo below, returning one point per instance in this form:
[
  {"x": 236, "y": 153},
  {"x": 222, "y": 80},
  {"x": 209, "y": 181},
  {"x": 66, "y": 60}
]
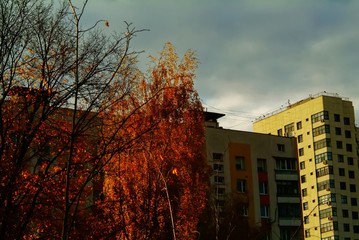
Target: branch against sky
[{"x": 70, "y": 99}]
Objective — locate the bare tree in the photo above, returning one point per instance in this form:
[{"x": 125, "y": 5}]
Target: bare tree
[
  {"x": 70, "y": 98},
  {"x": 56, "y": 78},
  {"x": 230, "y": 222}
]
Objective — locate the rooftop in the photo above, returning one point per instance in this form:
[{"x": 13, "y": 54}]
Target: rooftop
[{"x": 311, "y": 96}]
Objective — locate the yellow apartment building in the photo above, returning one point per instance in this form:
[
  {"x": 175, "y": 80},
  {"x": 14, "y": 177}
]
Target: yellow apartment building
[
  {"x": 324, "y": 127},
  {"x": 262, "y": 169}
]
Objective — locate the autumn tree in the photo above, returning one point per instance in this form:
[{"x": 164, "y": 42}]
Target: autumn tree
[
  {"x": 76, "y": 112},
  {"x": 157, "y": 189},
  {"x": 55, "y": 80}
]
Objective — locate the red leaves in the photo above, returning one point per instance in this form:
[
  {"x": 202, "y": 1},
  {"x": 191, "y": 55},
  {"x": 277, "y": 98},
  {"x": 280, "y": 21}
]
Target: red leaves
[
  {"x": 143, "y": 151},
  {"x": 163, "y": 175}
]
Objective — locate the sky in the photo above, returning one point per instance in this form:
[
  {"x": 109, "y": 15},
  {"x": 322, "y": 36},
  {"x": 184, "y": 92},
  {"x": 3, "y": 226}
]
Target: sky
[{"x": 256, "y": 56}]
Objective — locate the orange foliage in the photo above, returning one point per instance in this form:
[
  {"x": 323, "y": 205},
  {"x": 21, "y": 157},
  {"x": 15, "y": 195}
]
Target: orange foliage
[
  {"x": 163, "y": 175},
  {"x": 146, "y": 146}
]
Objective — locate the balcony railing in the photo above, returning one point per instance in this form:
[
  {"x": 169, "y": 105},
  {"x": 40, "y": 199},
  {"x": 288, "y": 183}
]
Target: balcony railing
[{"x": 285, "y": 174}]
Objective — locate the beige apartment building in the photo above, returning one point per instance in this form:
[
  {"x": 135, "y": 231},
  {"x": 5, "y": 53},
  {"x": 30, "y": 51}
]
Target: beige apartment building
[
  {"x": 262, "y": 170},
  {"x": 324, "y": 127}
]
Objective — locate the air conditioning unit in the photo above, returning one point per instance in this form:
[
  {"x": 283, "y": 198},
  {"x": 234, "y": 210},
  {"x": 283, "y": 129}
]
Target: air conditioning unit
[
  {"x": 329, "y": 203},
  {"x": 322, "y": 120},
  {"x": 330, "y": 218},
  {"x": 328, "y": 189},
  {"x": 325, "y": 162}
]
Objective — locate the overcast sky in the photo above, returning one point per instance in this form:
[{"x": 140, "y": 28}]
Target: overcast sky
[{"x": 255, "y": 55}]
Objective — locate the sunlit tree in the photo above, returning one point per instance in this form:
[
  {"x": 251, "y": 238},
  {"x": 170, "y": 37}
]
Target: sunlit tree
[
  {"x": 76, "y": 113},
  {"x": 156, "y": 190}
]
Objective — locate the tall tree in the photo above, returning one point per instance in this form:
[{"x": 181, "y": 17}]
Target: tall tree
[
  {"x": 55, "y": 78},
  {"x": 157, "y": 189},
  {"x": 73, "y": 106}
]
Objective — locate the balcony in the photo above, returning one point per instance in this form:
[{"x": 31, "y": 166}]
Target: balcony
[
  {"x": 284, "y": 174},
  {"x": 289, "y": 222},
  {"x": 289, "y": 199}
]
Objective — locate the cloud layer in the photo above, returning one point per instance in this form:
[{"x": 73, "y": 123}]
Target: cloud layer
[{"x": 255, "y": 55}]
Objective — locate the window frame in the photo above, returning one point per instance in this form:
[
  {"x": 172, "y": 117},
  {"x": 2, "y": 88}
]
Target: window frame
[{"x": 240, "y": 163}]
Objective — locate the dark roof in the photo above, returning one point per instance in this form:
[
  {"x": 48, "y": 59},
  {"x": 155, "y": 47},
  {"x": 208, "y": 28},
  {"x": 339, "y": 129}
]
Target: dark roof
[{"x": 212, "y": 116}]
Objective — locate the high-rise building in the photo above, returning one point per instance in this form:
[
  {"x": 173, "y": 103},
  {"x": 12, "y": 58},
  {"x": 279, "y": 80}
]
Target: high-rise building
[
  {"x": 259, "y": 169},
  {"x": 323, "y": 125}
]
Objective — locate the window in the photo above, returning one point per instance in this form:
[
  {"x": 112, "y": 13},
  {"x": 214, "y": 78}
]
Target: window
[
  {"x": 299, "y": 125},
  {"x": 264, "y": 211},
  {"x": 327, "y": 199},
  {"x": 300, "y": 138},
  {"x": 324, "y": 171},
  {"x": 289, "y": 210},
  {"x": 287, "y": 188},
  {"x": 303, "y": 178},
  {"x": 220, "y": 191},
  {"x": 327, "y": 156},
  {"x": 340, "y": 158},
  {"x": 217, "y": 167},
  {"x": 351, "y": 174},
  {"x": 280, "y": 147},
  {"x": 320, "y": 116},
  {"x": 348, "y": 134},
  {"x": 286, "y": 164},
  {"x": 245, "y": 210},
  {"x": 304, "y": 192},
  {"x": 341, "y": 172},
  {"x": 326, "y": 185},
  {"x": 345, "y": 213},
  {"x": 356, "y": 228},
  {"x": 350, "y": 161},
  {"x": 329, "y": 212},
  {"x": 219, "y": 179},
  {"x": 346, "y": 121},
  {"x": 353, "y": 201},
  {"x": 217, "y": 157},
  {"x": 261, "y": 165},
  {"x": 355, "y": 215},
  {"x": 239, "y": 163},
  {"x": 349, "y": 147},
  {"x": 337, "y": 117},
  {"x": 344, "y": 199},
  {"x": 220, "y": 203},
  {"x": 285, "y": 234},
  {"x": 326, "y": 227},
  {"x": 307, "y": 233},
  {"x": 343, "y": 186},
  {"x": 339, "y": 144},
  {"x": 338, "y": 131},
  {"x": 263, "y": 188},
  {"x": 352, "y": 188},
  {"x": 305, "y": 206},
  {"x": 346, "y": 227},
  {"x": 302, "y": 165},
  {"x": 321, "y": 130},
  {"x": 241, "y": 185},
  {"x": 322, "y": 143},
  {"x": 306, "y": 219},
  {"x": 280, "y": 132},
  {"x": 288, "y": 129},
  {"x": 301, "y": 151}
]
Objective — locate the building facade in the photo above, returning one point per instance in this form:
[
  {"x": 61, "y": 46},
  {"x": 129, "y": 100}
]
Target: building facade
[
  {"x": 323, "y": 125},
  {"x": 260, "y": 169}
]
